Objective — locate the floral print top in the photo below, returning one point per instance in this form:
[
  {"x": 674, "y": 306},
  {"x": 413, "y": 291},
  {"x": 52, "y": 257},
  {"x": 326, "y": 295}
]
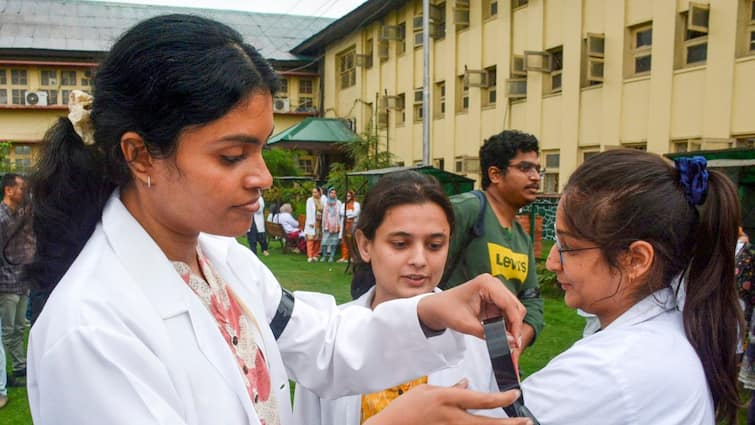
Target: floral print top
[
  {"x": 373, "y": 403},
  {"x": 240, "y": 331}
]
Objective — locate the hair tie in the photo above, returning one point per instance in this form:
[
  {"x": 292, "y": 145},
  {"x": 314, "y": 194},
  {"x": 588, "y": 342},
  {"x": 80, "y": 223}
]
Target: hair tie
[
  {"x": 693, "y": 176},
  {"x": 79, "y": 107}
]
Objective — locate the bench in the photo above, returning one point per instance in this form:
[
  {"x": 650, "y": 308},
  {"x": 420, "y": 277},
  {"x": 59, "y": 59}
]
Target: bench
[{"x": 275, "y": 232}]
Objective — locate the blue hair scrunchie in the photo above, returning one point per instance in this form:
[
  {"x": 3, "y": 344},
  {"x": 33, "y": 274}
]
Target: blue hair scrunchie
[{"x": 693, "y": 176}]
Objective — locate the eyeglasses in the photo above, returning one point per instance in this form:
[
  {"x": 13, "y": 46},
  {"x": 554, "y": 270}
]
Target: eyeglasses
[
  {"x": 562, "y": 250},
  {"x": 529, "y": 168}
]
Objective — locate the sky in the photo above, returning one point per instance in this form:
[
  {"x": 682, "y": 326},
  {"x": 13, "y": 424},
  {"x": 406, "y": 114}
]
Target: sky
[{"x": 322, "y": 8}]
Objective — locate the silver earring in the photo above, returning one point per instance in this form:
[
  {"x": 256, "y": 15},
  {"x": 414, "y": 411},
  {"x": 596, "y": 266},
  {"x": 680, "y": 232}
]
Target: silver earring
[{"x": 149, "y": 182}]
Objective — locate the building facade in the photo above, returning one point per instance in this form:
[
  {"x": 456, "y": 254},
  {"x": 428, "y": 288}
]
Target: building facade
[
  {"x": 582, "y": 75},
  {"x": 50, "y": 47}
]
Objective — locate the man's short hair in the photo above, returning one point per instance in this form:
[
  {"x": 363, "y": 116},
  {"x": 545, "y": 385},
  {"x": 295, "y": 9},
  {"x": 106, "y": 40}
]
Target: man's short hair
[
  {"x": 499, "y": 149},
  {"x": 10, "y": 180}
]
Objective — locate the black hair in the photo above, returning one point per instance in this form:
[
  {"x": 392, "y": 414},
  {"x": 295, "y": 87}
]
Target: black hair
[
  {"x": 392, "y": 190},
  {"x": 9, "y": 180},
  {"x": 622, "y": 196},
  {"x": 164, "y": 75},
  {"x": 499, "y": 149}
]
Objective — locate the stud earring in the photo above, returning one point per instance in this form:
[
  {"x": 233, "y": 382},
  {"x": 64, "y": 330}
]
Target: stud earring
[{"x": 149, "y": 182}]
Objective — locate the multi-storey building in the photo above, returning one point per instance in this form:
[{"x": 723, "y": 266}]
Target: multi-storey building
[
  {"x": 50, "y": 47},
  {"x": 582, "y": 75}
]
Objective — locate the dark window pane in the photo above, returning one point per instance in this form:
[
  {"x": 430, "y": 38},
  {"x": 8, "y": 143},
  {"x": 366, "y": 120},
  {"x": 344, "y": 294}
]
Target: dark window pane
[
  {"x": 697, "y": 53},
  {"x": 752, "y": 41},
  {"x": 642, "y": 64},
  {"x": 556, "y": 82},
  {"x": 644, "y": 38}
]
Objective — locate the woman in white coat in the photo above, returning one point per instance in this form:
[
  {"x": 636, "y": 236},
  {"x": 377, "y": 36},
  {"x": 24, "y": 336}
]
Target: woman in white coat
[
  {"x": 627, "y": 224},
  {"x": 402, "y": 240},
  {"x": 155, "y": 321},
  {"x": 313, "y": 224}
]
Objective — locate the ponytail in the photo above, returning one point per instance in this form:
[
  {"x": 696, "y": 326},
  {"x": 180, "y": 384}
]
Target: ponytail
[
  {"x": 69, "y": 191},
  {"x": 711, "y": 296}
]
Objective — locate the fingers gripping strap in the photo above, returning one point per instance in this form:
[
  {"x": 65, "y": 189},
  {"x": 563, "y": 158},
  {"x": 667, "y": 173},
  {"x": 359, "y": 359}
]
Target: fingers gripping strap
[{"x": 283, "y": 314}]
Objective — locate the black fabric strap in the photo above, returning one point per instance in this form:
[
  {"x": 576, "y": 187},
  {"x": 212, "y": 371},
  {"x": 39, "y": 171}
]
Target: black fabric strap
[{"x": 283, "y": 314}]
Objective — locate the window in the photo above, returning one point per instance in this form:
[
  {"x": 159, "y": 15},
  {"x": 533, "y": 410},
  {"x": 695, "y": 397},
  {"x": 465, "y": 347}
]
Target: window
[
  {"x": 418, "y": 110},
  {"x": 642, "y": 146},
  {"x": 438, "y": 15},
  {"x": 750, "y": 26},
  {"x": 346, "y": 69},
  {"x": 64, "y": 95},
  {"x": 489, "y": 93},
  {"x": 67, "y": 78},
  {"x": 22, "y": 150},
  {"x": 23, "y": 165},
  {"x": 18, "y": 96},
  {"x": 18, "y": 77},
  {"x": 401, "y": 113},
  {"x": 48, "y": 77},
  {"x": 306, "y": 86},
  {"x": 3, "y": 77},
  {"x": 461, "y": 14},
  {"x": 440, "y": 99},
  {"x": 747, "y": 142},
  {"x": 283, "y": 90},
  {"x": 553, "y": 83},
  {"x": 489, "y": 9},
  {"x": 693, "y": 25},
  {"x": 466, "y": 164},
  {"x": 401, "y": 44},
  {"x": 439, "y": 163},
  {"x": 593, "y": 59},
  {"x": 3, "y": 96},
  {"x": 518, "y": 3},
  {"x": 550, "y": 178},
  {"x": 52, "y": 97},
  {"x": 588, "y": 153},
  {"x": 642, "y": 43},
  {"x": 365, "y": 59},
  {"x": 687, "y": 145},
  {"x": 462, "y": 94},
  {"x": 306, "y": 164},
  {"x": 86, "y": 79}
]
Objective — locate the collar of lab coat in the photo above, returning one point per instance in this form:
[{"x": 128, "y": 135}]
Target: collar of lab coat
[
  {"x": 649, "y": 307},
  {"x": 169, "y": 294},
  {"x": 366, "y": 299}
]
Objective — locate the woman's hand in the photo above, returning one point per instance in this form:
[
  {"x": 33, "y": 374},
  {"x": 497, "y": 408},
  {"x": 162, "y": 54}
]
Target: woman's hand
[
  {"x": 427, "y": 404},
  {"x": 463, "y": 307}
]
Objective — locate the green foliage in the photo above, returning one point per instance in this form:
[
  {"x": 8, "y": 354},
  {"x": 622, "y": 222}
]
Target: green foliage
[
  {"x": 295, "y": 193},
  {"x": 5, "y": 164},
  {"x": 281, "y": 162},
  {"x": 364, "y": 153}
]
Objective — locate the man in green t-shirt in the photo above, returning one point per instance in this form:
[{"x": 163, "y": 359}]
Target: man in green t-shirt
[{"x": 510, "y": 169}]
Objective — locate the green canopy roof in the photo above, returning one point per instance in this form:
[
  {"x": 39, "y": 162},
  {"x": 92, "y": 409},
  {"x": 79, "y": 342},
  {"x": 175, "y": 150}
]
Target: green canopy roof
[
  {"x": 313, "y": 131},
  {"x": 452, "y": 183}
]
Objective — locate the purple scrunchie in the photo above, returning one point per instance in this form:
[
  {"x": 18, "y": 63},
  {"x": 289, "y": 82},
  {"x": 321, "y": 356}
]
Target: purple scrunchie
[{"x": 693, "y": 175}]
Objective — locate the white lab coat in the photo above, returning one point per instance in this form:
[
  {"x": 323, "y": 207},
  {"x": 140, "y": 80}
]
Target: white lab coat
[
  {"x": 123, "y": 340},
  {"x": 309, "y": 409},
  {"x": 639, "y": 370}
]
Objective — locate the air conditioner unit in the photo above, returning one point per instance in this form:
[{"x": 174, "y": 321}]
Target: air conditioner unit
[
  {"x": 516, "y": 88},
  {"x": 475, "y": 78},
  {"x": 281, "y": 105},
  {"x": 52, "y": 82},
  {"x": 697, "y": 17},
  {"x": 537, "y": 61},
  {"x": 364, "y": 60},
  {"x": 596, "y": 45},
  {"x": 392, "y": 102},
  {"x": 391, "y": 32},
  {"x": 36, "y": 98}
]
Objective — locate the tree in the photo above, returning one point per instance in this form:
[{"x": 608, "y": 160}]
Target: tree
[{"x": 281, "y": 162}]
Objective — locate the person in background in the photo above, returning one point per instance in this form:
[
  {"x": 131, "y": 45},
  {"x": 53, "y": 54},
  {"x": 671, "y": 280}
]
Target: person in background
[
  {"x": 291, "y": 226},
  {"x": 401, "y": 241},
  {"x": 349, "y": 215},
  {"x": 628, "y": 225},
  {"x": 745, "y": 275},
  {"x": 256, "y": 232},
  {"x": 313, "y": 224},
  {"x": 158, "y": 315},
  {"x": 510, "y": 168},
  {"x": 15, "y": 228},
  {"x": 331, "y": 226}
]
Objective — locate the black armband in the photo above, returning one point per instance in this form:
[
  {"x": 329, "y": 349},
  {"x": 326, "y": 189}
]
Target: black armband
[{"x": 283, "y": 314}]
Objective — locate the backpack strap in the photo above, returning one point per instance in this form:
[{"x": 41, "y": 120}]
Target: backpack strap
[{"x": 475, "y": 232}]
